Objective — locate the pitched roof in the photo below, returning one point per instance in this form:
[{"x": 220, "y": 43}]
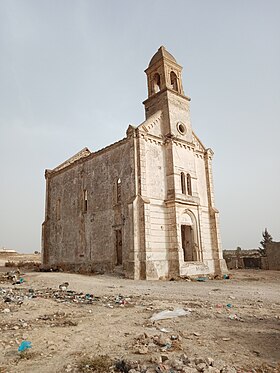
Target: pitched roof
[
  {"x": 81, "y": 154},
  {"x": 160, "y": 54}
]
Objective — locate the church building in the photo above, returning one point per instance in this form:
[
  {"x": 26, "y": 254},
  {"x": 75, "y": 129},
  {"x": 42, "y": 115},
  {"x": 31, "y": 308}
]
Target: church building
[{"x": 144, "y": 205}]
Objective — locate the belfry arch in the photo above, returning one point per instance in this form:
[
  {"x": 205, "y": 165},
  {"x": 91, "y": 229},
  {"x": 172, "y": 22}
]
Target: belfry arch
[
  {"x": 174, "y": 81},
  {"x": 156, "y": 83}
]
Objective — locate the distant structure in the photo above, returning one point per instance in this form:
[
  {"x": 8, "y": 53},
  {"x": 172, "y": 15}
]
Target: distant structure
[
  {"x": 3, "y": 250},
  {"x": 244, "y": 259},
  {"x": 143, "y": 205},
  {"x": 273, "y": 255},
  {"x": 252, "y": 258}
]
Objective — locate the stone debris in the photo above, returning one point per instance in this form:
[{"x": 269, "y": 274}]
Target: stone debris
[
  {"x": 18, "y": 296},
  {"x": 147, "y": 343},
  {"x": 164, "y": 346},
  {"x": 174, "y": 364}
]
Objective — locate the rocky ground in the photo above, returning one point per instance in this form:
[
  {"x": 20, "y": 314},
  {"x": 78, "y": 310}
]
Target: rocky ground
[{"x": 109, "y": 324}]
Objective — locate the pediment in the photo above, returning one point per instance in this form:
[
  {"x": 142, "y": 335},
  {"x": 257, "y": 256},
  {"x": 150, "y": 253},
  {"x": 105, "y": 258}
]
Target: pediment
[
  {"x": 152, "y": 125},
  {"x": 198, "y": 146}
]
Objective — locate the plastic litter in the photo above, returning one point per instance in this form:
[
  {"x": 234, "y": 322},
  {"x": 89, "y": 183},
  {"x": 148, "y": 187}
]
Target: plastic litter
[
  {"x": 167, "y": 347},
  {"x": 229, "y": 305},
  {"x": 226, "y": 277},
  {"x": 234, "y": 317},
  {"x": 169, "y": 314},
  {"x": 19, "y": 281},
  {"x": 63, "y": 286},
  {"x": 163, "y": 330},
  {"x": 201, "y": 279},
  {"x": 24, "y": 346}
]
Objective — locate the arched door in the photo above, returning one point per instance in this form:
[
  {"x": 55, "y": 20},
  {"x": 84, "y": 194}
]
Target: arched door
[{"x": 189, "y": 238}]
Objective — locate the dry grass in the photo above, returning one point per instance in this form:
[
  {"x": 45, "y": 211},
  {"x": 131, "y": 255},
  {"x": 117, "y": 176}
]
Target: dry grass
[
  {"x": 27, "y": 355},
  {"x": 97, "y": 364}
]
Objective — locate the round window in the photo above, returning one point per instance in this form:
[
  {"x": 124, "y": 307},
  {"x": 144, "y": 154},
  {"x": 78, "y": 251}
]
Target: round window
[{"x": 181, "y": 128}]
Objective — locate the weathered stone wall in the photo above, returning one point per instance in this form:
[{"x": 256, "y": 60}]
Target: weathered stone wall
[
  {"x": 154, "y": 190},
  {"x": 273, "y": 255},
  {"x": 88, "y": 238}
]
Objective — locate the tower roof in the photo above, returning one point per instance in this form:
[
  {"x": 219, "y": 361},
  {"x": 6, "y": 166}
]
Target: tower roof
[{"x": 161, "y": 53}]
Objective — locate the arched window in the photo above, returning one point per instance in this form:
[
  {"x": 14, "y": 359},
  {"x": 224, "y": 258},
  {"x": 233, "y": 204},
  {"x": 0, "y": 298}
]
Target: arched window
[
  {"x": 174, "y": 81},
  {"x": 189, "y": 184},
  {"x": 156, "y": 83},
  {"x": 119, "y": 190},
  {"x": 183, "y": 183}
]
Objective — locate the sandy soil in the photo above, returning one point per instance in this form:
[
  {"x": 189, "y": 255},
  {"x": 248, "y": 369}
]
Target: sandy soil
[{"x": 235, "y": 320}]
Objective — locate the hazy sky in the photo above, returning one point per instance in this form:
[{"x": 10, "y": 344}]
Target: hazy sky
[{"x": 71, "y": 75}]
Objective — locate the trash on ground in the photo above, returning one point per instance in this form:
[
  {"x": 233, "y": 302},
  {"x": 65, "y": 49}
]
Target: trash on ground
[
  {"x": 163, "y": 330},
  {"x": 24, "y": 346},
  {"x": 201, "y": 279},
  {"x": 167, "y": 314},
  {"x": 63, "y": 286},
  {"x": 234, "y": 317}
]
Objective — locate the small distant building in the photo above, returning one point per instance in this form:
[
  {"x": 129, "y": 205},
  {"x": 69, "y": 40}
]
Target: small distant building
[
  {"x": 252, "y": 258},
  {"x": 3, "y": 250},
  {"x": 241, "y": 259}
]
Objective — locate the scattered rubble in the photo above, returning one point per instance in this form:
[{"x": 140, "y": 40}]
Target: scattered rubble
[
  {"x": 17, "y": 296},
  {"x": 186, "y": 332}
]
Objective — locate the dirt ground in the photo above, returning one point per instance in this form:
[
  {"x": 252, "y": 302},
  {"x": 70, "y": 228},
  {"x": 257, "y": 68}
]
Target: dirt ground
[{"x": 236, "y": 321}]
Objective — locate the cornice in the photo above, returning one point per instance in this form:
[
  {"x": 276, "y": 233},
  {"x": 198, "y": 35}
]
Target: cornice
[{"x": 156, "y": 95}]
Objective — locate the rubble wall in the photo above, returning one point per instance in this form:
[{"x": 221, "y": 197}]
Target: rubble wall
[{"x": 88, "y": 238}]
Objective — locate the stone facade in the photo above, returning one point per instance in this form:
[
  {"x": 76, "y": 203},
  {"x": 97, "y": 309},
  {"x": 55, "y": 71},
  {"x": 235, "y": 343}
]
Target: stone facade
[{"x": 144, "y": 204}]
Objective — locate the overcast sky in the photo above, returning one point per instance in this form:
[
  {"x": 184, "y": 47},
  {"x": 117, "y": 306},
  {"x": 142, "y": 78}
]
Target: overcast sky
[{"x": 71, "y": 75}]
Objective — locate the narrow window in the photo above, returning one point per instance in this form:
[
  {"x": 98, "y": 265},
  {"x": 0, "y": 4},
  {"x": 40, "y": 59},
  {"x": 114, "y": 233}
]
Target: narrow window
[
  {"x": 119, "y": 190},
  {"x": 174, "y": 81},
  {"x": 58, "y": 209},
  {"x": 156, "y": 83},
  {"x": 189, "y": 184},
  {"x": 85, "y": 201},
  {"x": 118, "y": 247},
  {"x": 183, "y": 183}
]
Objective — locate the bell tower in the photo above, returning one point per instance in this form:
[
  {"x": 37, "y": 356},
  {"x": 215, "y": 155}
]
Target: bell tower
[
  {"x": 164, "y": 72},
  {"x": 166, "y": 94}
]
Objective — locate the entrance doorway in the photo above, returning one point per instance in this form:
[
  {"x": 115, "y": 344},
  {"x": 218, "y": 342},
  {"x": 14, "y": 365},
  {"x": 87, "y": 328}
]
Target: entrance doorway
[
  {"x": 188, "y": 245},
  {"x": 118, "y": 247}
]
